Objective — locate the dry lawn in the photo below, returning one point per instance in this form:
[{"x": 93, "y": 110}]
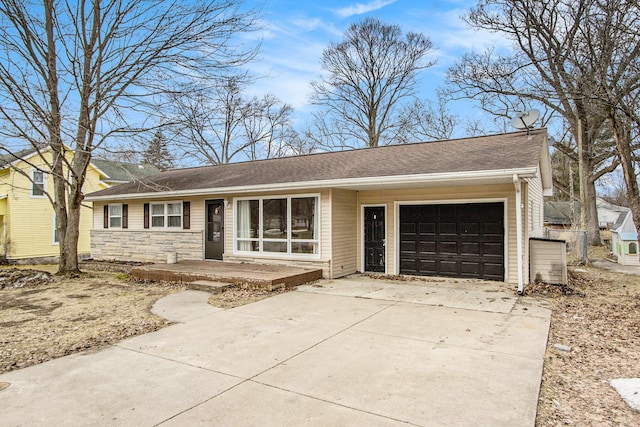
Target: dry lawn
[{"x": 44, "y": 320}]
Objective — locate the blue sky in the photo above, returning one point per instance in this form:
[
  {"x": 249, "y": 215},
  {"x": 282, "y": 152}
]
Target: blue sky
[{"x": 296, "y": 32}]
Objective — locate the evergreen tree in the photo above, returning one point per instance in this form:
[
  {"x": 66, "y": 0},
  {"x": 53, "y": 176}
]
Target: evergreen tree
[{"x": 157, "y": 153}]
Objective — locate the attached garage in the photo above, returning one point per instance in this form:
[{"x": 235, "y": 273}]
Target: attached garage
[{"x": 454, "y": 240}]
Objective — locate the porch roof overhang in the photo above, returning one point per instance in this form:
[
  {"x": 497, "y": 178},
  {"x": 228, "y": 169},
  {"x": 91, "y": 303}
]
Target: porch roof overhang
[{"x": 486, "y": 177}]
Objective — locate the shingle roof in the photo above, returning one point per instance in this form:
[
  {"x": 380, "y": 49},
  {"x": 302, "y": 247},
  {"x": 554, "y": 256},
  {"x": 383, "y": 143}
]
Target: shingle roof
[
  {"x": 7, "y": 159},
  {"x": 116, "y": 171},
  {"x": 124, "y": 172},
  {"x": 487, "y": 153}
]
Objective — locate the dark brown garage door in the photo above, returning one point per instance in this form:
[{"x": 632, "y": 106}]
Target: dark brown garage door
[{"x": 457, "y": 240}]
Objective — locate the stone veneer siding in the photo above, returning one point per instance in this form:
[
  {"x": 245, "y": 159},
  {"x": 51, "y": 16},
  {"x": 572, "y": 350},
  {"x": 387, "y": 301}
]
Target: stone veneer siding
[{"x": 145, "y": 245}]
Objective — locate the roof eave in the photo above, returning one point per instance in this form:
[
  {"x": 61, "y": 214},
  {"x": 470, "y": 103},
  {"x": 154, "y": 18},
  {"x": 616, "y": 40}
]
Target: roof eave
[{"x": 461, "y": 178}]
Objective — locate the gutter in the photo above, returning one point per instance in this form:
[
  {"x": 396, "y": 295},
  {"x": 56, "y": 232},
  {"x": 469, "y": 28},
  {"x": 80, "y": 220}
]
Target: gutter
[
  {"x": 519, "y": 232},
  {"x": 347, "y": 183}
]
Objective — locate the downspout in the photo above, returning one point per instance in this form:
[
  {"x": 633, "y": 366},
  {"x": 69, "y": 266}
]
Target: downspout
[{"x": 518, "y": 186}]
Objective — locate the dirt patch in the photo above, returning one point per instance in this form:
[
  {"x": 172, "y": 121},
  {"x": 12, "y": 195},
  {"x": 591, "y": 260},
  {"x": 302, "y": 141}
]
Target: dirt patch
[
  {"x": 244, "y": 294},
  {"x": 598, "y": 316},
  {"x": 43, "y": 320}
]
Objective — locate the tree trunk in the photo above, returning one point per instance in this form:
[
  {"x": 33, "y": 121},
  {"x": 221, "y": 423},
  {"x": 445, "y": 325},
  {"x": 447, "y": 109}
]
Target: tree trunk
[{"x": 588, "y": 211}]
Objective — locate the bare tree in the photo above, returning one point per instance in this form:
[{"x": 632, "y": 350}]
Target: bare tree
[
  {"x": 71, "y": 74},
  {"x": 544, "y": 67},
  {"x": 426, "y": 121},
  {"x": 368, "y": 76},
  {"x": 218, "y": 123},
  {"x": 610, "y": 49},
  {"x": 268, "y": 128}
]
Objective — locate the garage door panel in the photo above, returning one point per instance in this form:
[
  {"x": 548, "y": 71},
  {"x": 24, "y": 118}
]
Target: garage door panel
[
  {"x": 470, "y": 248},
  {"x": 448, "y": 228},
  {"x": 493, "y": 229},
  {"x": 460, "y": 240},
  {"x": 448, "y": 267},
  {"x": 493, "y": 248},
  {"x": 426, "y": 247},
  {"x": 427, "y": 266},
  {"x": 407, "y": 228},
  {"x": 470, "y": 229},
  {"x": 408, "y": 246},
  {"x": 427, "y": 228},
  {"x": 447, "y": 248},
  {"x": 470, "y": 268}
]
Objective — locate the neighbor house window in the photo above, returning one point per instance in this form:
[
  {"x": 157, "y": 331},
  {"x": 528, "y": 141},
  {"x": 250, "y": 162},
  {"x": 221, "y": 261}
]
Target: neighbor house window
[
  {"x": 633, "y": 248},
  {"x": 166, "y": 215},
  {"x": 55, "y": 240},
  {"x": 37, "y": 183},
  {"x": 279, "y": 225}
]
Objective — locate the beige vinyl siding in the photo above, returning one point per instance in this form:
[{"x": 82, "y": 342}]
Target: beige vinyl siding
[
  {"x": 344, "y": 237},
  {"x": 535, "y": 208},
  {"x": 390, "y": 198}
]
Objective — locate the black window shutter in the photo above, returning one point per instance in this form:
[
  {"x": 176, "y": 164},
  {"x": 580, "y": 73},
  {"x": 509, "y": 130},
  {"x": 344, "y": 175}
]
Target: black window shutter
[
  {"x": 186, "y": 215},
  {"x": 106, "y": 216},
  {"x": 125, "y": 216},
  {"x": 146, "y": 215}
]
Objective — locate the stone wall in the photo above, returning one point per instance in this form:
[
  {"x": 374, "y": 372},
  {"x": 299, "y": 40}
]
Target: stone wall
[{"x": 145, "y": 245}]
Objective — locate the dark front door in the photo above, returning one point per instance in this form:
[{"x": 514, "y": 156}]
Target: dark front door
[
  {"x": 214, "y": 243},
  {"x": 457, "y": 240},
  {"x": 374, "y": 239}
]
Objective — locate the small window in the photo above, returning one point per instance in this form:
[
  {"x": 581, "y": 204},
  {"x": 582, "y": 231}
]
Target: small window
[
  {"x": 115, "y": 216},
  {"x": 633, "y": 248},
  {"x": 37, "y": 183},
  {"x": 166, "y": 215}
]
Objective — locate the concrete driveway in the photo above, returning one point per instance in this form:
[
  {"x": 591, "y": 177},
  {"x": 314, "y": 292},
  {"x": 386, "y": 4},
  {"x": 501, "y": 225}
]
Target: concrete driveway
[{"x": 343, "y": 352}]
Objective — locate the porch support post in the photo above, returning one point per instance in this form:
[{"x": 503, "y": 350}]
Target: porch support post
[{"x": 519, "y": 232}]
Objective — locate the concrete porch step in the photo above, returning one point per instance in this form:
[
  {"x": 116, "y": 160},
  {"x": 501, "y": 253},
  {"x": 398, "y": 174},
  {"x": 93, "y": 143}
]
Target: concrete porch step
[{"x": 209, "y": 286}]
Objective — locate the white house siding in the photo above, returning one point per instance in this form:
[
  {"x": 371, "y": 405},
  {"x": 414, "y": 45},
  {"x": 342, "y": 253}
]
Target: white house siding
[
  {"x": 461, "y": 194},
  {"x": 344, "y": 237}
]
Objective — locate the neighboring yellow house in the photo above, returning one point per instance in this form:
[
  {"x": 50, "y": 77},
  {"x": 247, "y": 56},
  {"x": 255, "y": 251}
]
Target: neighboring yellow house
[{"x": 27, "y": 220}]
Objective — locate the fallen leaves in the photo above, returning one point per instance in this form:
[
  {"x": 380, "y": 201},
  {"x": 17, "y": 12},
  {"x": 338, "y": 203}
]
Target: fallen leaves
[{"x": 598, "y": 316}]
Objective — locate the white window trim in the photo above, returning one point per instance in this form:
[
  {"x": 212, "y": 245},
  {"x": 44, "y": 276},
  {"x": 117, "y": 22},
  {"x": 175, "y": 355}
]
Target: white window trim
[
  {"x": 287, "y": 255},
  {"x": 121, "y": 215},
  {"x": 166, "y": 216},
  {"x": 54, "y": 222},
  {"x": 33, "y": 183}
]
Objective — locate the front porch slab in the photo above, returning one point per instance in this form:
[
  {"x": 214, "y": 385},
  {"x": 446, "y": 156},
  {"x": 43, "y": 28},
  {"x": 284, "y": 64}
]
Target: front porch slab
[{"x": 228, "y": 272}]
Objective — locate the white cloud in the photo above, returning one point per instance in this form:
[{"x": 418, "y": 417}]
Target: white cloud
[{"x": 360, "y": 8}]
